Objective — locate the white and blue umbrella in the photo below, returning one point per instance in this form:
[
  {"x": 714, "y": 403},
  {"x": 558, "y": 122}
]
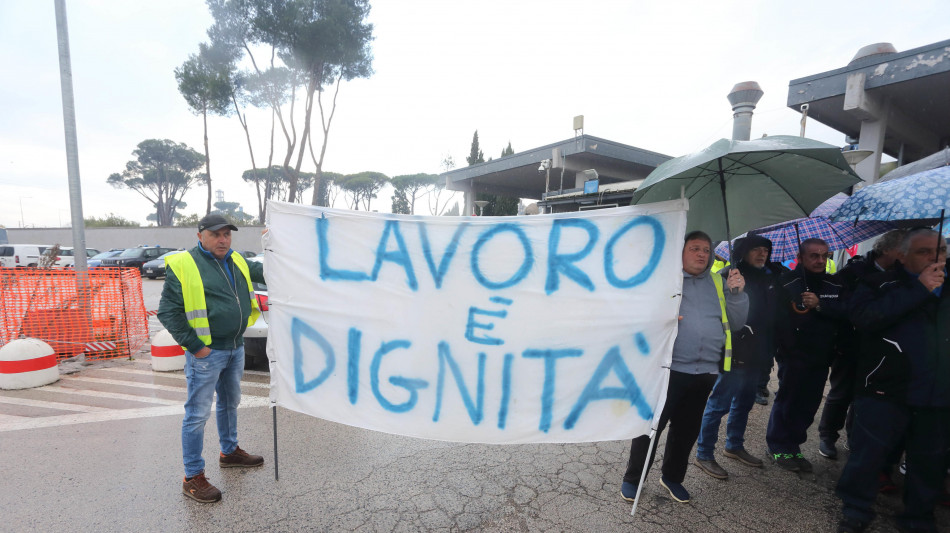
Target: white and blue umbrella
[{"x": 924, "y": 196}]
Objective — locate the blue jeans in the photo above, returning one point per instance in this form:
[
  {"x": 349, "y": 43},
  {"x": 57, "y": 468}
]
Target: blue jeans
[
  {"x": 734, "y": 392},
  {"x": 220, "y": 371}
]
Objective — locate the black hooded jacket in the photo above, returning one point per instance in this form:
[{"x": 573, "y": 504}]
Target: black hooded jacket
[{"x": 754, "y": 345}]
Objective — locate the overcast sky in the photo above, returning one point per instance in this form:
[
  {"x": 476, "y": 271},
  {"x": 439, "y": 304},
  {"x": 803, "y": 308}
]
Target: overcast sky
[{"x": 654, "y": 76}]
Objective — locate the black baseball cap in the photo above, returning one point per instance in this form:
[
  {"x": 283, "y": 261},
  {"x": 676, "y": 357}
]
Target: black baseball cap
[{"x": 214, "y": 223}]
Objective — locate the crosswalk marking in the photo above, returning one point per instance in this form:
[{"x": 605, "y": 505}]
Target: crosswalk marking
[
  {"x": 112, "y": 414},
  {"x": 181, "y": 377},
  {"x": 81, "y": 389},
  {"x": 136, "y": 384},
  {"x": 52, "y": 405},
  {"x": 110, "y": 395}
]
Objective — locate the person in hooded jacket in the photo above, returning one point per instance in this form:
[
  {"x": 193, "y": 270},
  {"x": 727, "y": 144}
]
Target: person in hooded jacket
[
  {"x": 810, "y": 317},
  {"x": 903, "y": 386},
  {"x": 752, "y": 349},
  {"x": 698, "y": 352}
]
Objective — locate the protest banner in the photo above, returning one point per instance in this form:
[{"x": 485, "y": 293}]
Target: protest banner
[{"x": 552, "y": 328}]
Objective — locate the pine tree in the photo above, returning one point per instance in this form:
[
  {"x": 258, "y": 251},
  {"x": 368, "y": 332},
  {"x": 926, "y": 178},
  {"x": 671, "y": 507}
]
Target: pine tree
[{"x": 475, "y": 155}]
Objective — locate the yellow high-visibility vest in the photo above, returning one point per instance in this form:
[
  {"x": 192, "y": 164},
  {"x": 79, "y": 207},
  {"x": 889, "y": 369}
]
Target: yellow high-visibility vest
[
  {"x": 727, "y": 360},
  {"x": 719, "y": 265},
  {"x": 193, "y": 292},
  {"x": 830, "y": 266}
]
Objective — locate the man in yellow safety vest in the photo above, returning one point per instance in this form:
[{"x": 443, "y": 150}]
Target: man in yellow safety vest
[
  {"x": 710, "y": 310},
  {"x": 207, "y": 303}
]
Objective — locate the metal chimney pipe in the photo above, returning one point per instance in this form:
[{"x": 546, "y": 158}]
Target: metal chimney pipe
[{"x": 743, "y": 98}]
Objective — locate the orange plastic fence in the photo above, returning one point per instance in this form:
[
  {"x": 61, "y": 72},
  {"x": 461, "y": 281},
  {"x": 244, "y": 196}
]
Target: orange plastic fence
[{"x": 100, "y": 313}]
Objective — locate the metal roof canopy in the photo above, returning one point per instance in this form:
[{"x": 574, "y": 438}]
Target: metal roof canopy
[
  {"x": 915, "y": 83},
  {"x": 518, "y": 176}
]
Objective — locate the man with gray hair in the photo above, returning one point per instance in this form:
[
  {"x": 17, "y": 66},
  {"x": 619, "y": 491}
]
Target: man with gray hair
[
  {"x": 903, "y": 391},
  {"x": 834, "y": 415}
]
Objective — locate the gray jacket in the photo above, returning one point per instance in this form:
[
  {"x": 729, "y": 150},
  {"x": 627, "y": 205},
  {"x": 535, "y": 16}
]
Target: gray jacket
[{"x": 699, "y": 344}]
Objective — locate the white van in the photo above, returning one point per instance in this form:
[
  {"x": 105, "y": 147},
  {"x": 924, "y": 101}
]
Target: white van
[
  {"x": 67, "y": 256},
  {"x": 21, "y": 255}
]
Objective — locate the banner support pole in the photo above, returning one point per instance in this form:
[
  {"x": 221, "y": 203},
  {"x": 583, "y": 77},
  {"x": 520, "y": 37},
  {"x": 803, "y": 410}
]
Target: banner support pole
[
  {"x": 643, "y": 475},
  {"x": 274, "y": 411}
]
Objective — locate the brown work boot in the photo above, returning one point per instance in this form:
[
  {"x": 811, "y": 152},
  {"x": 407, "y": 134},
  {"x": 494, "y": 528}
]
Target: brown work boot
[
  {"x": 198, "y": 489},
  {"x": 240, "y": 458}
]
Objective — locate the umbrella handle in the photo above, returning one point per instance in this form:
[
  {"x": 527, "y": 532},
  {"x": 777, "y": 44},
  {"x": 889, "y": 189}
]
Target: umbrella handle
[{"x": 939, "y": 237}]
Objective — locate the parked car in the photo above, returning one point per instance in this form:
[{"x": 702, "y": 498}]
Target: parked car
[
  {"x": 135, "y": 257},
  {"x": 21, "y": 255},
  {"x": 67, "y": 256},
  {"x": 247, "y": 253},
  {"x": 156, "y": 267},
  {"x": 255, "y": 337},
  {"x": 96, "y": 260}
]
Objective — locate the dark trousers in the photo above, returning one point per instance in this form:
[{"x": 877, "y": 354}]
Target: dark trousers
[
  {"x": 879, "y": 427},
  {"x": 765, "y": 374},
  {"x": 800, "y": 388},
  {"x": 686, "y": 398},
  {"x": 834, "y": 416}
]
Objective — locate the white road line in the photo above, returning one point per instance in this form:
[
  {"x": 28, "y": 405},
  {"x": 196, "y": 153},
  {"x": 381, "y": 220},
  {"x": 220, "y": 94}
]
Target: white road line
[
  {"x": 142, "y": 372},
  {"x": 117, "y": 414},
  {"x": 136, "y": 384},
  {"x": 110, "y": 395},
  {"x": 182, "y": 377},
  {"x": 8, "y": 419},
  {"x": 52, "y": 405}
]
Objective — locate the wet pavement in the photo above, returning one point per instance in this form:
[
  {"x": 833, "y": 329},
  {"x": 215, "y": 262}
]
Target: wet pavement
[
  {"x": 100, "y": 451},
  {"x": 124, "y": 474}
]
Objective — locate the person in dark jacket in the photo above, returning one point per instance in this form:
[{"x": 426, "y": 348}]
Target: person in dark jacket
[
  {"x": 809, "y": 319},
  {"x": 207, "y": 303},
  {"x": 697, "y": 354},
  {"x": 752, "y": 348},
  {"x": 765, "y": 373},
  {"x": 903, "y": 384},
  {"x": 835, "y": 412}
]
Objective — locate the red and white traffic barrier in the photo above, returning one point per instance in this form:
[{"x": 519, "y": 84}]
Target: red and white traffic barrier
[
  {"x": 99, "y": 346},
  {"x": 167, "y": 355},
  {"x": 27, "y": 363}
]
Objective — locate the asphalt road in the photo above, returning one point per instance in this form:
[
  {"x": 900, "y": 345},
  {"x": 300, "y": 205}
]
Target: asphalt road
[{"x": 117, "y": 467}]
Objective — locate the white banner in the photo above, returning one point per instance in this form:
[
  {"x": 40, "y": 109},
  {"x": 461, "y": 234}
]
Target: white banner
[{"x": 550, "y": 328}]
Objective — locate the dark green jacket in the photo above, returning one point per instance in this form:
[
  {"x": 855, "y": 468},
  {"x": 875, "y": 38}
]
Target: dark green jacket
[{"x": 229, "y": 307}]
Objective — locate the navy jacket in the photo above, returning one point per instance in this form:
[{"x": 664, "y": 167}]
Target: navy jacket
[
  {"x": 808, "y": 338},
  {"x": 905, "y": 339}
]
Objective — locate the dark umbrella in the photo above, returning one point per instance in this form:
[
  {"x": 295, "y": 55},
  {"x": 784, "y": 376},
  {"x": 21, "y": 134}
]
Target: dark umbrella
[{"x": 787, "y": 236}]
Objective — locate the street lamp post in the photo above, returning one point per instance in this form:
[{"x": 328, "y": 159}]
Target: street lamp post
[{"x": 22, "y": 223}]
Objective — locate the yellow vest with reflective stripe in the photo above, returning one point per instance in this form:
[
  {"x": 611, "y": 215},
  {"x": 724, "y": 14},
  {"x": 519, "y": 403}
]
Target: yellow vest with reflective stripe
[
  {"x": 193, "y": 292},
  {"x": 830, "y": 266},
  {"x": 727, "y": 360}
]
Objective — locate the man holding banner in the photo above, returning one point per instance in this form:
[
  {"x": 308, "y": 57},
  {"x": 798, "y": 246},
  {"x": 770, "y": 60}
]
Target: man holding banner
[
  {"x": 207, "y": 303},
  {"x": 708, "y": 314}
]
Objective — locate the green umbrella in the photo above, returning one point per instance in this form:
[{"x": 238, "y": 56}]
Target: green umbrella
[{"x": 757, "y": 183}]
